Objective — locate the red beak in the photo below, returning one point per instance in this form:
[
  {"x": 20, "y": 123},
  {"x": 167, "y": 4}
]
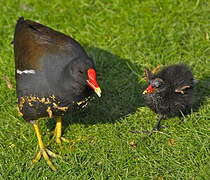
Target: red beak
[{"x": 92, "y": 82}]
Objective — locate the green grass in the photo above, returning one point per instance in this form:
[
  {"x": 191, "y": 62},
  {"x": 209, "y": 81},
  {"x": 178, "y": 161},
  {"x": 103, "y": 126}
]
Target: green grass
[{"x": 123, "y": 37}]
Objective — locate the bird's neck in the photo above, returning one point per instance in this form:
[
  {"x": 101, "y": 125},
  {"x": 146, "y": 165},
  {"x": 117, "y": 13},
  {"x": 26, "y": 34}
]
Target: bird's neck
[{"x": 160, "y": 99}]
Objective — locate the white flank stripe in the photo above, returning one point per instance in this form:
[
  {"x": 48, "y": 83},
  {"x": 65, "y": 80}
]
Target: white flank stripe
[{"x": 30, "y": 71}]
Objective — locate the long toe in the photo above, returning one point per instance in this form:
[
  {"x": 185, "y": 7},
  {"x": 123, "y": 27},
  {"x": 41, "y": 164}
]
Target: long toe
[
  {"x": 46, "y": 153},
  {"x": 61, "y": 139},
  {"x": 151, "y": 131},
  {"x": 159, "y": 128},
  {"x": 141, "y": 132}
]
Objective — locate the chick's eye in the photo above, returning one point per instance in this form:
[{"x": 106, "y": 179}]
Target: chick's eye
[{"x": 156, "y": 84}]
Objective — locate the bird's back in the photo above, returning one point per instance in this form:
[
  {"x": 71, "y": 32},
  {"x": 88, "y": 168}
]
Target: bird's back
[
  {"x": 33, "y": 40},
  {"x": 176, "y": 75}
]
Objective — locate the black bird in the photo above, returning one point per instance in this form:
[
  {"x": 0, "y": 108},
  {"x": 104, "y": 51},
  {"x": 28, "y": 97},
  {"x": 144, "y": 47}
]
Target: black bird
[
  {"x": 54, "y": 75},
  {"x": 170, "y": 91}
]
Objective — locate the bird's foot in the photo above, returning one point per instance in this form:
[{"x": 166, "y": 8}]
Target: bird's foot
[
  {"x": 158, "y": 128},
  {"x": 46, "y": 153}
]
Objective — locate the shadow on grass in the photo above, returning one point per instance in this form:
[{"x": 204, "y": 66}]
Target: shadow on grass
[{"x": 121, "y": 91}]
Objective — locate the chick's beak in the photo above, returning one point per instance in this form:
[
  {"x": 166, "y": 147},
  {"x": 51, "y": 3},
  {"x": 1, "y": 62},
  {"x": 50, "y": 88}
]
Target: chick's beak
[
  {"x": 145, "y": 92},
  {"x": 149, "y": 90}
]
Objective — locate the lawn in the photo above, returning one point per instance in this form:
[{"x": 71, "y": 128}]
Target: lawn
[{"x": 123, "y": 37}]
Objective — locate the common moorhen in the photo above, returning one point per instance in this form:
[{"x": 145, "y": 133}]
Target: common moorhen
[{"x": 54, "y": 75}]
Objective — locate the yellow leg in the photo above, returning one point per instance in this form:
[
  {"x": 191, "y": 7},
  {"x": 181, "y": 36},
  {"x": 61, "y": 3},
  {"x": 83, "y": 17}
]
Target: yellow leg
[
  {"x": 58, "y": 131},
  {"x": 43, "y": 151}
]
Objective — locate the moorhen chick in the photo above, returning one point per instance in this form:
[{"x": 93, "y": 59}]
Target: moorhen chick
[
  {"x": 170, "y": 91},
  {"x": 54, "y": 75}
]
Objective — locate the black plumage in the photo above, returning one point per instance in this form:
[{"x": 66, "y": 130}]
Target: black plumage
[
  {"x": 49, "y": 65},
  {"x": 170, "y": 91},
  {"x": 53, "y": 74}
]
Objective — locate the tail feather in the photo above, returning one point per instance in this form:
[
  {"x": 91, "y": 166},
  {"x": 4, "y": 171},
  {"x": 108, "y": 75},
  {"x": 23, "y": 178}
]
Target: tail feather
[{"x": 20, "y": 20}]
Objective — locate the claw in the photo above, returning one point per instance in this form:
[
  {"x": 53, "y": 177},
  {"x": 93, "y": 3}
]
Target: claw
[
  {"x": 43, "y": 151},
  {"x": 46, "y": 153}
]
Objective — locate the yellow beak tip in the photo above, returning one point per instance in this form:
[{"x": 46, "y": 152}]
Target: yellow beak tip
[
  {"x": 98, "y": 91},
  {"x": 145, "y": 92}
]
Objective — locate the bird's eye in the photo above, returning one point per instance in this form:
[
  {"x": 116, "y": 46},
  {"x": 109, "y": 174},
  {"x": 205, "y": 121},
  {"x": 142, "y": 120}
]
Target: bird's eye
[
  {"x": 156, "y": 84},
  {"x": 80, "y": 72}
]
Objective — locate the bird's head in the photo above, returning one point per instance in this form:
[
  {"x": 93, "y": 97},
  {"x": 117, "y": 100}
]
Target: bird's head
[
  {"x": 156, "y": 85},
  {"x": 84, "y": 73}
]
